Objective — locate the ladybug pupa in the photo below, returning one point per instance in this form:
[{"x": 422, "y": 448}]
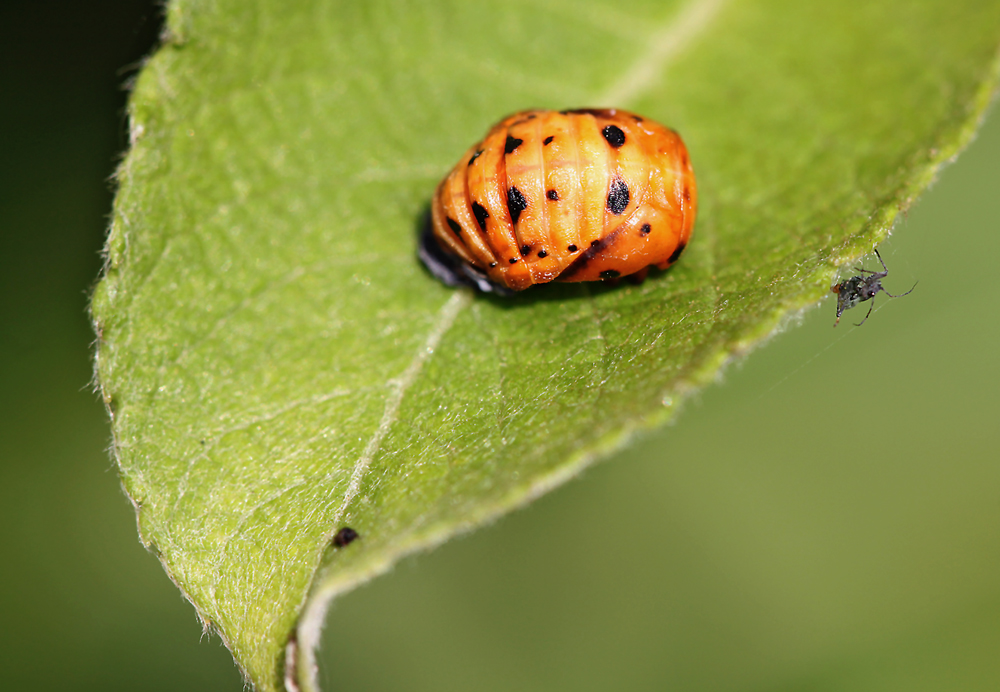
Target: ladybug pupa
[{"x": 578, "y": 195}]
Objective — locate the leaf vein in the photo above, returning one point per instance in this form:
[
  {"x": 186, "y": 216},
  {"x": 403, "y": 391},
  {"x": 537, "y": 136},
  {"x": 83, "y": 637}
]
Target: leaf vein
[
  {"x": 445, "y": 318},
  {"x": 664, "y": 45}
]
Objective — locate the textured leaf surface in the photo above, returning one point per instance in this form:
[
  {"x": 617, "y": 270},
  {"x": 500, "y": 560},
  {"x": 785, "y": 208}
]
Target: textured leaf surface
[{"x": 277, "y": 363}]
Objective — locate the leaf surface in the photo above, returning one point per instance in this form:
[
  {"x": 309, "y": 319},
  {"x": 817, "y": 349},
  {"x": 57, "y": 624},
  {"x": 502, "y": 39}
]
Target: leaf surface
[{"x": 277, "y": 363}]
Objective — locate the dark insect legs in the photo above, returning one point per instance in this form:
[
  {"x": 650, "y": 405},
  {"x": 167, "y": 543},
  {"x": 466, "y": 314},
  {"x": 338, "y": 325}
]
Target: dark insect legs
[{"x": 858, "y": 289}]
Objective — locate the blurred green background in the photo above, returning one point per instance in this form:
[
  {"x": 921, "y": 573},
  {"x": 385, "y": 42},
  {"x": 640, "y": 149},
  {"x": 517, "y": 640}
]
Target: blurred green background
[{"x": 824, "y": 519}]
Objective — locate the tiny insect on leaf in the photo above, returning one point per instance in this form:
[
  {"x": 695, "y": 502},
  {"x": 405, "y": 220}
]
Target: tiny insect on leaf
[{"x": 862, "y": 287}]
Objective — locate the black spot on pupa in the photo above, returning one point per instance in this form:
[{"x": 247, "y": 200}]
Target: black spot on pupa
[
  {"x": 553, "y": 195},
  {"x": 637, "y": 118},
  {"x": 548, "y": 140},
  {"x": 516, "y": 203},
  {"x": 617, "y": 196},
  {"x": 610, "y": 274},
  {"x": 676, "y": 253},
  {"x": 600, "y": 112},
  {"x": 525, "y": 249},
  {"x": 687, "y": 194},
  {"x": 614, "y": 135},
  {"x": 596, "y": 248},
  {"x": 479, "y": 211},
  {"x": 542, "y": 253},
  {"x": 572, "y": 248},
  {"x": 646, "y": 228},
  {"x": 344, "y": 537},
  {"x": 532, "y": 116},
  {"x": 492, "y": 264},
  {"x": 513, "y": 260},
  {"x": 475, "y": 156},
  {"x": 511, "y": 144},
  {"x": 453, "y": 225}
]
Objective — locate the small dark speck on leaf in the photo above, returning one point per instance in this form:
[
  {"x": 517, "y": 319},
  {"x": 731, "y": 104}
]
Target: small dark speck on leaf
[{"x": 345, "y": 536}]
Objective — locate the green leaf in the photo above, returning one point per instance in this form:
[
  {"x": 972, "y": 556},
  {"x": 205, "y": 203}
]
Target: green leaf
[{"x": 277, "y": 363}]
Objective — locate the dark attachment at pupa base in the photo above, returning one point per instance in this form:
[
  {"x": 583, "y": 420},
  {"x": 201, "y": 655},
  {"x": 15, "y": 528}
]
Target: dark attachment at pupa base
[
  {"x": 858, "y": 289},
  {"x": 451, "y": 270},
  {"x": 345, "y": 536}
]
